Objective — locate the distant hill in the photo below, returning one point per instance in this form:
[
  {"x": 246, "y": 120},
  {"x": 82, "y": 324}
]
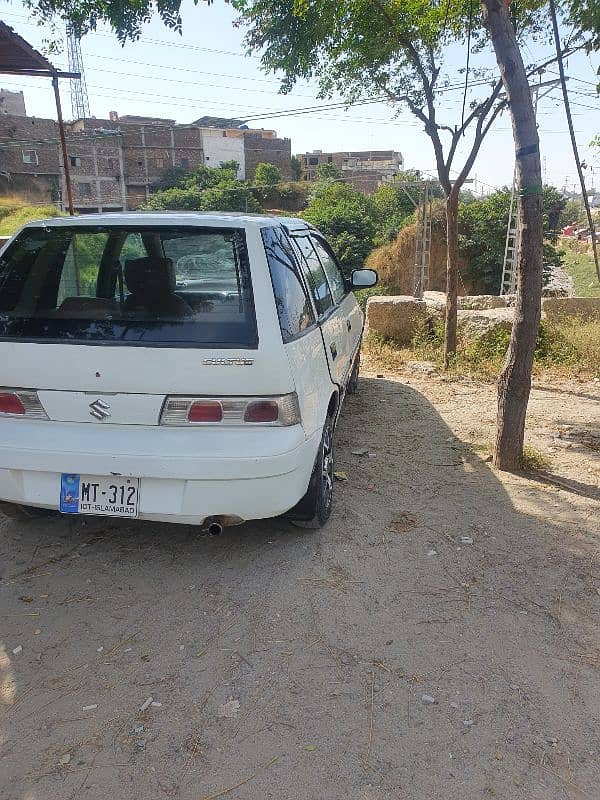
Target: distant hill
[{"x": 218, "y": 122}]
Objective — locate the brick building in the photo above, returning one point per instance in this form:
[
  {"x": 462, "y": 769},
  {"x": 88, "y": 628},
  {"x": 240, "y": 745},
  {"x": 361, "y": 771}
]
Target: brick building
[
  {"x": 363, "y": 169},
  {"x": 29, "y": 158},
  {"x": 116, "y": 163},
  {"x": 12, "y": 103},
  {"x": 259, "y": 148},
  {"x": 146, "y": 146},
  {"x": 247, "y": 146}
]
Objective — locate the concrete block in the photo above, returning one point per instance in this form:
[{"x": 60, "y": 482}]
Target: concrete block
[
  {"x": 398, "y": 318},
  {"x": 557, "y": 308},
  {"x": 474, "y": 324}
]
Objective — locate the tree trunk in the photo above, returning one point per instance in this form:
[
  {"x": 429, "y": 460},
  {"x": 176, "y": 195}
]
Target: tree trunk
[
  {"x": 514, "y": 384},
  {"x": 451, "y": 275}
]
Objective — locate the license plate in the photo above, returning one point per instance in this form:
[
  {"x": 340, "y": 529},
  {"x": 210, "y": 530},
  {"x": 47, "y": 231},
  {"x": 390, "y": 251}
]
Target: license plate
[{"x": 107, "y": 497}]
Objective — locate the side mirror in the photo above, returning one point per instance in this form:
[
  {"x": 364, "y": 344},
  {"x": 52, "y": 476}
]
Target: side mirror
[{"x": 363, "y": 278}]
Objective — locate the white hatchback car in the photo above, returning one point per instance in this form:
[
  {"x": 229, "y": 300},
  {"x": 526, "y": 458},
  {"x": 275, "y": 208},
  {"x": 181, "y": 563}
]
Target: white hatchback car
[{"x": 177, "y": 367}]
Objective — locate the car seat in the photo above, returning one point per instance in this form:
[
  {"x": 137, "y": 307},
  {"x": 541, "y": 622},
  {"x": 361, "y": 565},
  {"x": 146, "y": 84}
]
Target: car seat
[{"x": 151, "y": 283}]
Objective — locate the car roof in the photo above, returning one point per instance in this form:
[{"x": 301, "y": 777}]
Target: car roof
[{"x": 218, "y": 220}]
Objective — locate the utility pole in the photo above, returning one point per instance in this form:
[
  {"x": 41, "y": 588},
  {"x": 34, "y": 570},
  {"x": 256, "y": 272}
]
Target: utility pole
[
  {"x": 63, "y": 146},
  {"x": 561, "y": 71}
]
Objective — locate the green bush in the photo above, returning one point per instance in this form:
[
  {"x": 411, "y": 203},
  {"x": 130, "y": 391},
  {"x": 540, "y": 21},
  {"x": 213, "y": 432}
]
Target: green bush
[
  {"x": 362, "y": 295},
  {"x": 482, "y": 234},
  {"x": 267, "y": 174},
  {"x": 343, "y": 215}
]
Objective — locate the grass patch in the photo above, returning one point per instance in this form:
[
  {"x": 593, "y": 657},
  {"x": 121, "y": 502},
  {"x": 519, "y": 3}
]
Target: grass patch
[
  {"x": 534, "y": 461},
  {"x": 580, "y": 266},
  {"x": 384, "y": 354},
  {"x": 13, "y": 215},
  {"x": 567, "y": 348}
]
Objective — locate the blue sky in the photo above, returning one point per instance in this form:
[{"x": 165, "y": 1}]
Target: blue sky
[{"x": 205, "y": 71}]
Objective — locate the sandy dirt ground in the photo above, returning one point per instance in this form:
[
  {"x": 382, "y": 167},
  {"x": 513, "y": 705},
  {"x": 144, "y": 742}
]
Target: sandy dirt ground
[{"x": 439, "y": 638}]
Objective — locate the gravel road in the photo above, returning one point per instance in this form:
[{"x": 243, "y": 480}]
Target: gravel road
[{"x": 438, "y": 639}]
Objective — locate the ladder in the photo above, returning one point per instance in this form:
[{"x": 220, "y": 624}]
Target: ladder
[
  {"x": 512, "y": 246},
  {"x": 423, "y": 242}
]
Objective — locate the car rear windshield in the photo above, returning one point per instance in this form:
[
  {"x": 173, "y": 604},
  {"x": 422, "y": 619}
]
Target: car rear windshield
[{"x": 164, "y": 285}]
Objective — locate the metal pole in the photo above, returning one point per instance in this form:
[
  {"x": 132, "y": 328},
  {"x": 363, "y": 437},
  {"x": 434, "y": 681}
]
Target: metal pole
[{"x": 63, "y": 145}]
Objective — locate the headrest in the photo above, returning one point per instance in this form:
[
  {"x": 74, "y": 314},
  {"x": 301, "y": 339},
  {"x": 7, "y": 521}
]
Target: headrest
[{"x": 150, "y": 276}]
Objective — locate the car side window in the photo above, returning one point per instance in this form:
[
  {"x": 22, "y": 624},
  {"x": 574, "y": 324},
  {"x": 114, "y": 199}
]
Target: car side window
[
  {"x": 293, "y": 305},
  {"x": 335, "y": 277},
  {"x": 315, "y": 274}
]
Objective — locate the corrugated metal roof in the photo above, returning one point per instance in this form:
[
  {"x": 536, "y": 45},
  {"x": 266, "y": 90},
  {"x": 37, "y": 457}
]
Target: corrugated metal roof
[{"x": 16, "y": 55}]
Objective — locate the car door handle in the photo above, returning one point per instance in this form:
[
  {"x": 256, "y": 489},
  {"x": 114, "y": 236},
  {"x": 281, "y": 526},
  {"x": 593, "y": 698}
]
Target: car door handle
[
  {"x": 333, "y": 348},
  {"x": 348, "y": 324}
]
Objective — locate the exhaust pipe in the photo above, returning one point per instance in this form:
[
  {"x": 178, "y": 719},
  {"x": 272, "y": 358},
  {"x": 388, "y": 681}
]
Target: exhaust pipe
[
  {"x": 214, "y": 525},
  {"x": 215, "y": 528}
]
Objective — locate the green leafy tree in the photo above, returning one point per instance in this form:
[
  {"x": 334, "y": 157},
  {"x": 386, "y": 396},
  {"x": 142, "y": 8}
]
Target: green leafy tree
[
  {"x": 296, "y": 165},
  {"x": 206, "y": 189},
  {"x": 202, "y": 177},
  {"x": 345, "y": 217},
  {"x": 229, "y": 197},
  {"x": 171, "y": 177},
  {"x": 328, "y": 172},
  {"x": 392, "y": 210},
  {"x": 267, "y": 174},
  {"x": 483, "y": 223},
  {"x": 573, "y": 213},
  {"x": 174, "y": 199},
  {"x": 287, "y": 196}
]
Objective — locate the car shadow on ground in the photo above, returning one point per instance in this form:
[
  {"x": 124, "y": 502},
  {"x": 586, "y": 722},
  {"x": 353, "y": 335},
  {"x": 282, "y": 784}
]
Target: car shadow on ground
[{"x": 432, "y": 641}]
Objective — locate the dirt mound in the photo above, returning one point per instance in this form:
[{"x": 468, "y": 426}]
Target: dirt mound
[{"x": 395, "y": 262}]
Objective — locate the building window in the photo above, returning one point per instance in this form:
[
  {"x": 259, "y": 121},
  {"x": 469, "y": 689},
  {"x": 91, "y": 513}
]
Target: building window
[
  {"x": 30, "y": 157},
  {"x": 84, "y": 189},
  {"x": 75, "y": 161},
  {"x": 140, "y": 163},
  {"x": 313, "y": 161},
  {"x": 329, "y": 159},
  {"x": 112, "y": 163},
  {"x": 158, "y": 163},
  {"x": 184, "y": 163}
]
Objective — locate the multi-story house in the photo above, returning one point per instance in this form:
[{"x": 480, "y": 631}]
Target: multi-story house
[{"x": 363, "y": 169}]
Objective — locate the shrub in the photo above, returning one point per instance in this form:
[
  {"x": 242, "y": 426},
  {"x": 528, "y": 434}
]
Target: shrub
[
  {"x": 267, "y": 174},
  {"x": 343, "y": 215},
  {"x": 362, "y": 295}
]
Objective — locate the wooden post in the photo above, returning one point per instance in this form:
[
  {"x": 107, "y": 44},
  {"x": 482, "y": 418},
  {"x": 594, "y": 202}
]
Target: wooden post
[{"x": 63, "y": 144}]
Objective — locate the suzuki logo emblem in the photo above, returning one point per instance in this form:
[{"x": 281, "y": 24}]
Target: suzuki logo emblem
[{"x": 99, "y": 409}]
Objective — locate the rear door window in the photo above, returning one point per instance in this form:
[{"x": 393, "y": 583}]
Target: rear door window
[
  {"x": 315, "y": 274},
  {"x": 161, "y": 285},
  {"x": 334, "y": 276},
  {"x": 293, "y": 304}
]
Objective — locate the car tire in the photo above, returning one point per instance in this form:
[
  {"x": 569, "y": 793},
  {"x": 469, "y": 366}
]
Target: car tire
[
  {"x": 352, "y": 387},
  {"x": 314, "y": 509}
]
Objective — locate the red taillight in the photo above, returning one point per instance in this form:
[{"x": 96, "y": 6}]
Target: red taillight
[
  {"x": 205, "y": 411},
  {"x": 11, "y": 404},
  {"x": 261, "y": 411}
]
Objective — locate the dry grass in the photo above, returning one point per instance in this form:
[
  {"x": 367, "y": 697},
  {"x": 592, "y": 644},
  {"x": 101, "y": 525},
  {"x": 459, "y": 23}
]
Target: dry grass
[
  {"x": 395, "y": 262},
  {"x": 534, "y": 461},
  {"x": 565, "y": 349}
]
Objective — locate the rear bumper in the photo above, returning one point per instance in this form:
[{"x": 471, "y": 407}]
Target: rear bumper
[{"x": 186, "y": 475}]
